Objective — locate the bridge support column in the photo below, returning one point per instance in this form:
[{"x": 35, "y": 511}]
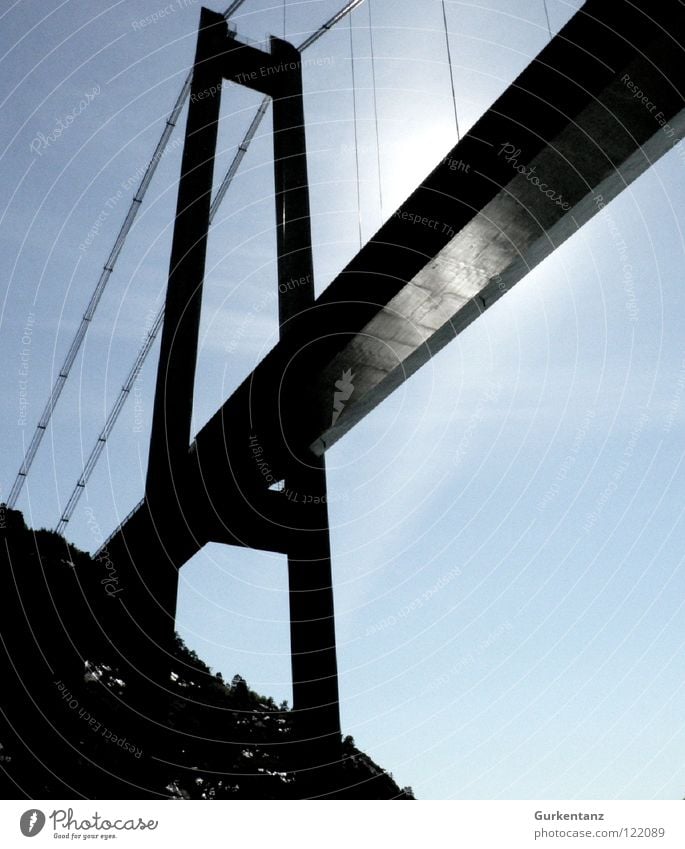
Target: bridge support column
[
  {"x": 312, "y": 626},
  {"x": 168, "y": 465},
  {"x": 171, "y": 490},
  {"x": 156, "y": 548}
]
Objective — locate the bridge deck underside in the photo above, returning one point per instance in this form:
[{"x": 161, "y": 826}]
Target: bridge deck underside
[{"x": 566, "y": 133}]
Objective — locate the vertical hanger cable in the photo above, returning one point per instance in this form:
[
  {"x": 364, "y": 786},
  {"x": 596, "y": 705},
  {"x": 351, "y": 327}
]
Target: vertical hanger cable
[
  {"x": 549, "y": 25},
  {"x": 449, "y": 61},
  {"x": 356, "y": 139},
  {"x": 375, "y": 112}
]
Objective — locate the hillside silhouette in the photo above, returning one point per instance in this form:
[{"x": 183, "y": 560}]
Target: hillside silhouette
[{"x": 78, "y": 722}]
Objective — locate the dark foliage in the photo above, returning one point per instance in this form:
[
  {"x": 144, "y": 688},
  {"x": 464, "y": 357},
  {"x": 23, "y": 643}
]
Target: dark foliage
[{"x": 78, "y": 720}]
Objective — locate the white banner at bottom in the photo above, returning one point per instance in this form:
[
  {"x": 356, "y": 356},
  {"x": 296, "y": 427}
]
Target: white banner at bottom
[{"x": 340, "y": 824}]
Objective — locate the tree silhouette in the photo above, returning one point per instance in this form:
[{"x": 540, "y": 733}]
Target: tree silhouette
[{"x": 78, "y": 722}]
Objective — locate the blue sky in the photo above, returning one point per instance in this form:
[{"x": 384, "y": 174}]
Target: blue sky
[{"x": 506, "y": 528}]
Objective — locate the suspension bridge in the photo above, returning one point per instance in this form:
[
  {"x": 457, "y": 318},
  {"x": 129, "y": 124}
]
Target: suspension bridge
[{"x": 566, "y": 137}]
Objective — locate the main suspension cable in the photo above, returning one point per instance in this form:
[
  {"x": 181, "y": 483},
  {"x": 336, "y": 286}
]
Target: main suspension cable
[
  {"x": 330, "y": 23},
  {"x": 103, "y": 280}
]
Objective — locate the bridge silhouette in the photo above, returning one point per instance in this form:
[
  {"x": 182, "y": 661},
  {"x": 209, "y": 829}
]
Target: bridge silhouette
[{"x": 565, "y": 138}]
